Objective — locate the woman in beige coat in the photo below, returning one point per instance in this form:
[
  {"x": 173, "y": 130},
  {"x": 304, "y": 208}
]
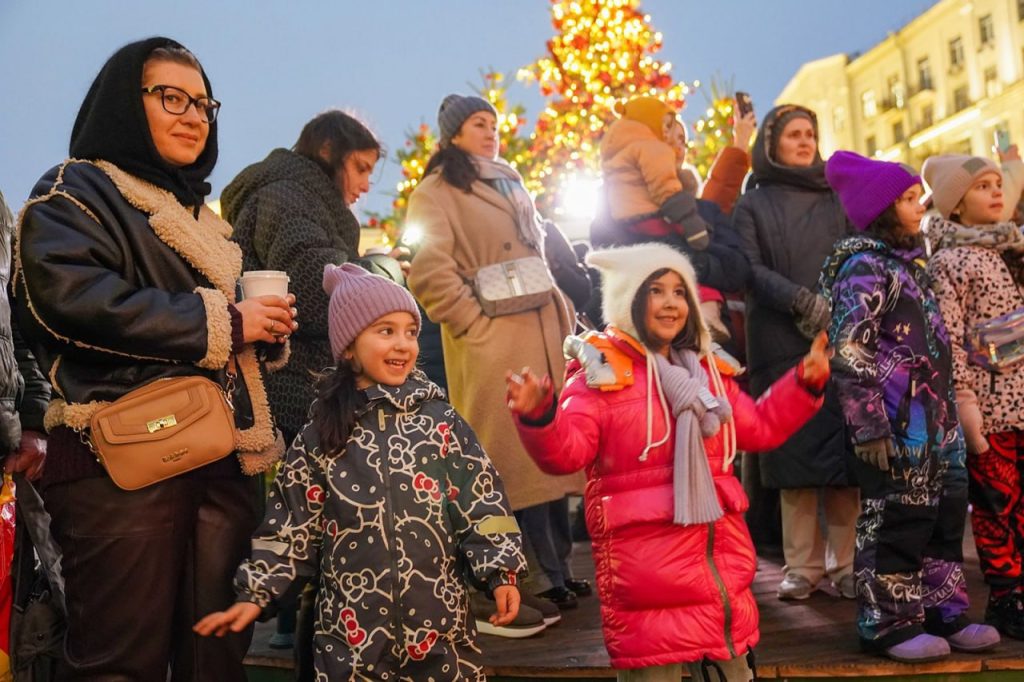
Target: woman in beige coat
[{"x": 474, "y": 211}]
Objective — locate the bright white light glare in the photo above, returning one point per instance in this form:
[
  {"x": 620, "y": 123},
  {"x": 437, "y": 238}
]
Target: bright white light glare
[
  {"x": 579, "y": 196},
  {"x": 411, "y": 235}
]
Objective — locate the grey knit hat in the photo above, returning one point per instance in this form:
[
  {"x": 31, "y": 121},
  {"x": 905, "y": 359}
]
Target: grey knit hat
[
  {"x": 454, "y": 111},
  {"x": 357, "y": 299}
]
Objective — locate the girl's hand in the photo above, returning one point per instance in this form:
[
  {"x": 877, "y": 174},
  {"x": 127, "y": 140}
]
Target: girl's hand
[
  {"x": 526, "y": 391},
  {"x": 237, "y": 618},
  {"x": 267, "y": 318},
  {"x": 506, "y": 597},
  {"x": 816, "y": 368}
]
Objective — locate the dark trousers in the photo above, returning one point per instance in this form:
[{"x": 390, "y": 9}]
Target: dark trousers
[
  {"x": 998, "y": 507},
  {"x": 141, "y": 567},
  {"x": 547, "y": 529},
  {"x": 909, "y": 559}
]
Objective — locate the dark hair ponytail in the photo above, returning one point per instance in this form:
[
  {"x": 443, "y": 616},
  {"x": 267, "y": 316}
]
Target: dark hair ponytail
[
  {"x": 334, "y": 412},
  {"x": 457, "y": 168}
]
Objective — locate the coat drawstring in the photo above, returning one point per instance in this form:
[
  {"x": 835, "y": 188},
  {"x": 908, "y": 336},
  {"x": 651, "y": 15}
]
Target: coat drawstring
[{"x": 654, "y": 384}]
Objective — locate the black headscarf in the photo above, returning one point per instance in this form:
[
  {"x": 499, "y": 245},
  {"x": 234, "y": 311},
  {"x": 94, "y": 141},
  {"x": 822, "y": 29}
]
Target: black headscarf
[
  {"x": 112, "y": 126},
  {"x": 766, "y": 169}
]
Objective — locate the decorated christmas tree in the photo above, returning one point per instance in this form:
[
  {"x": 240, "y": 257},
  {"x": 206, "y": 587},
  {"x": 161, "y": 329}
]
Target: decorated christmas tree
[
  {"x": 714, "y": 130},
  {"x": 602, "y": 51}
]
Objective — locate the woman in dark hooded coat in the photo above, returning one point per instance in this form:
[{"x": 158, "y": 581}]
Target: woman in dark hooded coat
[
  {"x": 125, "y": 277},
  {"x": 788, "y": 220}
]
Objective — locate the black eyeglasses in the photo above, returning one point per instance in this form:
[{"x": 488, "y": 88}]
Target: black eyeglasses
[{"x": 176, "y": 101}]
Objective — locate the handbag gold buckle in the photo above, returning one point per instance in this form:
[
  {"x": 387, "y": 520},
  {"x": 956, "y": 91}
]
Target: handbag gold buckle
[{"x": 161, "y": 423}]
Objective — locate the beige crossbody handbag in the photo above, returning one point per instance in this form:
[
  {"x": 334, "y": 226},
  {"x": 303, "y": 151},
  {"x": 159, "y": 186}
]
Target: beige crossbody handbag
[
  {"x": 513, "y": 286},
  {"x": 163, "y": 429}
]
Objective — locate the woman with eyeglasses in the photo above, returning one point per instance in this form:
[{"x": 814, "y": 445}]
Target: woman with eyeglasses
[{"x": 125, "y": 278}]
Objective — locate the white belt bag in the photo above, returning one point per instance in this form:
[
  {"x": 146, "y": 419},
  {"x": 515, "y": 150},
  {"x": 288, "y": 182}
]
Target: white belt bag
[{"x": 513, "y": 286}]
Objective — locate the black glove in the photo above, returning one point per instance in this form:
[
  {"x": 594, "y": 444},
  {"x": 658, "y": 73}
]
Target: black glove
[
  {"x": 681, "y": 209},
  {"x": 812, "y": 313},
  {"x": 875, "y": 452}
]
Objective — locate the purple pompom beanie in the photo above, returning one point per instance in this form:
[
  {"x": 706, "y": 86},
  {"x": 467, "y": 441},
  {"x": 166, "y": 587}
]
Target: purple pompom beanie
[
  {"x": 357, "y": 299},
  {"x": 867, "y": 187}
]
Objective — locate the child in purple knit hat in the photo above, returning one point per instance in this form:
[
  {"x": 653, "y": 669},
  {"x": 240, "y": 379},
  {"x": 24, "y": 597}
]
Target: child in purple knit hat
[
  {"x": 387, "y": 496},
  {"x": 893, "y": 368}
]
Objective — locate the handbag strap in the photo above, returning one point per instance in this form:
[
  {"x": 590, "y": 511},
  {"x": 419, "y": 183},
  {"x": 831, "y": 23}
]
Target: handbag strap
[{"x": 36, "y": 519}]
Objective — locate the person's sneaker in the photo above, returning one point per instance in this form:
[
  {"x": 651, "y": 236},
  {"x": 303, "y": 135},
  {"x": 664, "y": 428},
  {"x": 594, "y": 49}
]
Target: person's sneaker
[
  {"x": 795, "y": 586},
  {"x": 847, "y": 586},
  {"x": 920, "y": 649},
  {"x": 528, "y": 622},
  {"x": 973, "y": 638},
  {"x": 551, "y": 613},
  {"x": 1006, "y": 614},
  {"x": 581, "y": 588},
  {"x": 563, "y": 597}
]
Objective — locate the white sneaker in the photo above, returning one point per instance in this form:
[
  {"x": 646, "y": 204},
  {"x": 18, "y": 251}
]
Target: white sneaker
[
  {"x": 847, "y": 586},
  {"x": 795, "y": 586}
]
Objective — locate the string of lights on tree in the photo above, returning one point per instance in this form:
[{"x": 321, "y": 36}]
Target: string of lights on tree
[
  {"x": 602, "y": 51},
  {"x": 713, "y": 131}
]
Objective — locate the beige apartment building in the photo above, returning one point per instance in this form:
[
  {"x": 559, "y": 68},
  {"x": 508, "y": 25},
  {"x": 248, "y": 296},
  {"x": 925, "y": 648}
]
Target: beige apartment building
[{"x": 944, "y": 83}]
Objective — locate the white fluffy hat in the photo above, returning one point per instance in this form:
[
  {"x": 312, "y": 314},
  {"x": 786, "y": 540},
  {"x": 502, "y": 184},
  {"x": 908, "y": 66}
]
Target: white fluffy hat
[{"x": 624, "y": 269}]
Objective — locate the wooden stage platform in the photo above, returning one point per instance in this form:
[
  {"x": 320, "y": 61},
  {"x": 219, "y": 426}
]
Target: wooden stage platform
[{"x": 809, "y": 639}]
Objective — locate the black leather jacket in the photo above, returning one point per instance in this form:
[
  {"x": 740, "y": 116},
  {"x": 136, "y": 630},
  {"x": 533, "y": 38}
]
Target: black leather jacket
[
  {"x": 24, "y": 391},
  {"x": 106, "y": 301}
]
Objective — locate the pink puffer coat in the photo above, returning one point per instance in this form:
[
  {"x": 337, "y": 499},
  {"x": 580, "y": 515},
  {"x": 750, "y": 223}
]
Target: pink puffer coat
[{"x": 669, "y": 593}]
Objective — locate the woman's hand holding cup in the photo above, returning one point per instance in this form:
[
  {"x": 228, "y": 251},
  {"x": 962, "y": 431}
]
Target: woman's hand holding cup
[{"x": 268, "y": 318}]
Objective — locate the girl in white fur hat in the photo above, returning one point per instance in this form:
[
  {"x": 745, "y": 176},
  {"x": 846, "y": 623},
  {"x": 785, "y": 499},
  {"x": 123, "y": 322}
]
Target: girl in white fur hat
[{"x": 655, "y": 419}]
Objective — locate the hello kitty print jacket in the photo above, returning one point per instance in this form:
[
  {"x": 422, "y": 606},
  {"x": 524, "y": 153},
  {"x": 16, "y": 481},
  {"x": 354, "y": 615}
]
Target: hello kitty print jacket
[{"x": 390, "y": 527}]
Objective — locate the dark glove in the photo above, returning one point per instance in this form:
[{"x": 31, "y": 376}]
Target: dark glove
[
  {"x": 875, "y": 452},
  {"x": 812, "y": 313},
  {"x": 681, "y": 209}
]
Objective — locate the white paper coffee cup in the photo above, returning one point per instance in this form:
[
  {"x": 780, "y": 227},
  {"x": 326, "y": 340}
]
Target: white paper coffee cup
[{"x": 264, "y": 283}]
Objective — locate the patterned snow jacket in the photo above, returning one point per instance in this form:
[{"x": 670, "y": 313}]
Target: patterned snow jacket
[
  {"x": 893, "y": 364},
  {"x": 973, "y": 285},
  {"x": 390, "y": 525}
]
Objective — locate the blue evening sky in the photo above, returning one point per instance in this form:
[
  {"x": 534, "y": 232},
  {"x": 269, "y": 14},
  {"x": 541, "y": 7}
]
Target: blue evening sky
[{"x": 276, "y": 64}]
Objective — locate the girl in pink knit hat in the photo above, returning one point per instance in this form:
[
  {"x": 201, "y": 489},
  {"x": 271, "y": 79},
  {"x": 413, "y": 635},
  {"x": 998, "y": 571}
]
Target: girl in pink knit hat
[{"x": 387, "y": 496}]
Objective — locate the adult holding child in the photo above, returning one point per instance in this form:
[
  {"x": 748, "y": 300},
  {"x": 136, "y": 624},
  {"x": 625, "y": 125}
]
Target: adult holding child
[
  {"x": 788, "y": 220},
  {"x": 124, "y": 278},
  {"x": 475, "y": 212}
]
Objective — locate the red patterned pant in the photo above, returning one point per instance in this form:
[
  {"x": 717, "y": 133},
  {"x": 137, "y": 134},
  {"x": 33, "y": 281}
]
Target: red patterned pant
[{"x": 997, "y": 516}]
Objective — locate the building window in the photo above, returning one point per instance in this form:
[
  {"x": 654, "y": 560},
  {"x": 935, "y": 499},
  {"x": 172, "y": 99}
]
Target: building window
[
  {"x": 956, "y": 53},
  {"x": 960, "y": 99},
  {"x": 839, "y": 119},
  {"x": 871, "y": 146},
  {"x": 1020, "y": 10},
  {"x": 986, "y": 30},
  {"x": 897, "y": 132},
  {"x": 992, "y": 85},
  {"x": 868, "y": 105},
  {"x": 927, "y": 116},
  {"x": 924, "y": 73}
]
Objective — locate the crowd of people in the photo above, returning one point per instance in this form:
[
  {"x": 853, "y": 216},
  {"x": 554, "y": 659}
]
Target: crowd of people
[{"x": 882, "y": 329}]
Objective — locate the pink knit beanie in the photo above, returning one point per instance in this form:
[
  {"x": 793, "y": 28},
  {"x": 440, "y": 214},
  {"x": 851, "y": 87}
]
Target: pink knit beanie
[{"x": 357, "y": 299}]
